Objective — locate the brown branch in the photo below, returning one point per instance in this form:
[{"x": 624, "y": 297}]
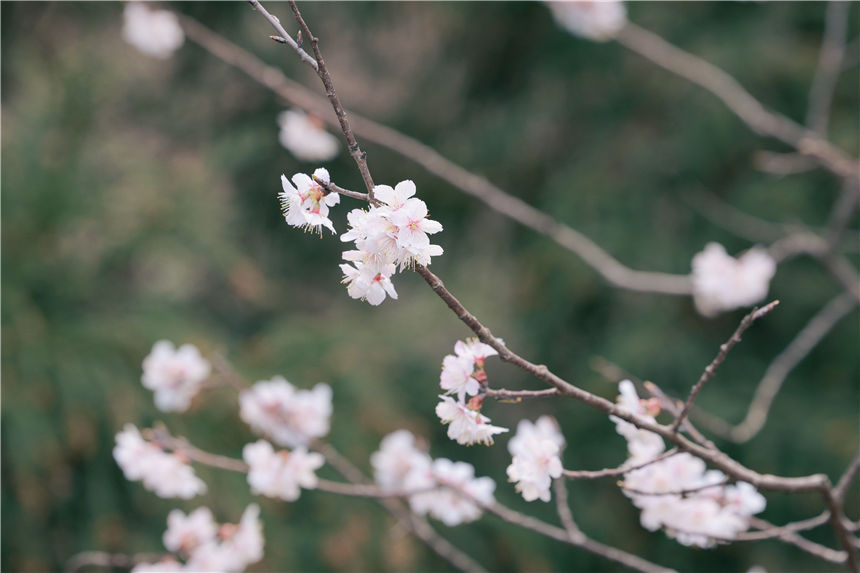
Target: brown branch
[
  {"x": 332, "y": 188},
  {"x": 518, "y": 395},
  {"x": 613, "y": 472},
  {"x": 109, "y": 560},
  {"x": 790, "y": 537},
  {"x": 681, "y": 492},
  {"x": 287, "y": 38},
  {"x": 770, "y": 531},
  {"x": 737, "y": 99},
  {"x": 711, "y": 368},
  {"x": 802, "y": 344},
  {"x": 845, "y": 481},
  {"x": 562, "y": 506},
  {"x": 479, "y": 187}
]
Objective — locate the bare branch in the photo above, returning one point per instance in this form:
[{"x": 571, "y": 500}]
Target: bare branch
[
  {"x": 711, "y": 368},
  {"x": 846, "y": 479},
  {"x": 681, "y": 492},
  {"x": 802, "y": 344},
  {"x": 562, "y": 506},
  {"x": 284, "y": 37},
  {"x": 104, "y": 559},
  {"x": 829, "y": 66},
  {"x": 800, "y": 542},
  {"x": 613, "y": 472},
  {"x": 737, "y": 99},
  {"x": 518, "y": 395}
]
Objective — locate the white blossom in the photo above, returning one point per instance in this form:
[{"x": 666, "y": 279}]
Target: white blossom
[
  {"x": 175, "y": 375},
  {"x": 535, "y": 451},
  {"x": 465, "y": 425},
  {"x": 474, "y": 349},
  {"x": 237, "y": 546},
  {"x": 305, "y": 137},
  {"x": 592, "y": 19},
  {"x": 281, "y": 474},
  {"x": 167, "y": 475},
  {"x": 370, "y": 280},
  {"x": 721, "y": 282},
  {"x": 153, "y": 32},
  {"x": 290, "y": 417},
  {"x": 457, "y": 378},
  {"x": 306, "y": 205},
  {"x": 457, "y": 501},
  {"x": 400, "y": 466},
  {"x": 187, "y": 532}
]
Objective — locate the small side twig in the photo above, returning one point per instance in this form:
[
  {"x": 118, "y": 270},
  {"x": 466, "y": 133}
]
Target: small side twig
[
  {"x": 711, "y": 368},
  {"x": 562, "y": 506},
  {"x": 613, "y": 472}
]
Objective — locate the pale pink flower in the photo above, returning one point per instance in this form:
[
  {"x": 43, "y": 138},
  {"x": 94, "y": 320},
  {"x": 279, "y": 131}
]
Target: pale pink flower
[
  {"x": 395, "y": 198},
  {"x": 535, "y": 451},
  {"x": 474, "y": 349},
  {"x": 459, "y": 499},
  {"x": 290, "y": 417},
  {"x": 281, "y": 474},
  {"x": 187, "y": 532},
  {"x": 369, "y": 281},
  {"x": 592, "y": 19},
  {"x": 400, "y": 466},
  {"x": 154, "y": 32},
  {"x": 174, "y": 375},
  {"x": 307, "y": 205},
  {"x": 457, "y": 378},
  {"x": 466, "y": 426},
  {"x": 305, "y": 137},
  {"x": 721, "y": 282}
]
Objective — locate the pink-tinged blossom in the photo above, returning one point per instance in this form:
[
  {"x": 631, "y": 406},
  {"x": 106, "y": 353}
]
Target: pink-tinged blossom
[
  {"x": 281, "y": 474},
  {"x": 592, "y": 19},
  {"x": 288, "y": 416},
  {"x": 400, "y": 465},
  {"x": 474, "y": 349},
  {"x": 154, "y": 32},
  {"x": 457, "y": 378},
  {"x": 465, "y": 425},
  {"x": 395, "y": 198},
  {"x": 369, "y": 281},
  {"x": 175, "y": 375},
  {"x": 460, "y": 496},
  {"x": 305, "y": 137},
  {"x": 535, "y": 451},
  {"x": 678, "y": 493},
  {"x": 237, "y": 546},
  {"x": 307, "y": 205},
  {"x": 167, "y": 475},
  {"x": 721, "y": 282},
  {"x": 187, "y": 532}
]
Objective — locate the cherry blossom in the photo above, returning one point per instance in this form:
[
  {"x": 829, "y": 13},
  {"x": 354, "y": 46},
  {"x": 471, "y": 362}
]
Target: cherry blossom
[
  {"x": 370, "y": 281},
  {"x": 156, "y": 33},
  {"x": 457, "y": 377},
  {"x": 396, "y": 197},
  {"x": 307, "y": 204},
  {"x": 465, "y": 425},
  {"x": 400, "y": 466},
  {"x": 289, "y": 416},
  {"x": 281, "y": 474},
  {"x": 174, "y": 375},
  {"x": 592, "y": 19},
  {"x": 535, "y": 451},
  {"x": 167, "y": 475},
  {"x": 455, "y": 502},
  {"x": 721, "y": 282},
  {"x": 187, "y": 532},
  {"x": 474, "y": 349},
  {"x": 235, "y": 547},
  {"x": 305, "y": 137}
]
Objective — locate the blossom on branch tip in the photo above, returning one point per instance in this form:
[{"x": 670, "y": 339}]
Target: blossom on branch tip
[
  {"x": 281, "y": 474},
  {"x": 307, "y": 204},
  {"x": 175, "y": 375},
  {"x": 535, "y": 451},
  {"x": 305, "y": 137},
  {"x": 165, "y": 474},
  {"x": 465, "y": 425},
  {"x": 154, "y": 32},
  {"x": 598, "y": 20},
  {"x": 722, "y": 282},
  {"x": 289, "y": 416}
]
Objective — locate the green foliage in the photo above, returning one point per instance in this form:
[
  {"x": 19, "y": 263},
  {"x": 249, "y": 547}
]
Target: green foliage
[{"x": 139, "y": 203}]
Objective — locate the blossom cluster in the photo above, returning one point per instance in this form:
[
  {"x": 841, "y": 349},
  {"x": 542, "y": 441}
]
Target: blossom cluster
[
  {"x": 165, "y": 474},
  {"x": 288, "y": 416},
  {"x": 206, "y": 546},
  {"x": 305, "y": 137},
  {"x": 174, "y": 375},
  {"x": 463, "y": 374},
  {"x": 446, "y": 490},
  {"x": 721, "y": 282},
  {"x": 154, "y": 32},
  {"x": 280, "y": 474},
  {"x": 536, "y": 450},
  {"x": 678, "y": 493},
  {"x": 598, "y": 20}
]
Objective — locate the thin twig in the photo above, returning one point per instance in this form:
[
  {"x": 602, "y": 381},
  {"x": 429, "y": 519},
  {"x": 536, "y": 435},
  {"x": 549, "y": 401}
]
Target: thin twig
[
  {"x": 737, "y": 99},
  {"x": 829, "y": 66},
  {"x": 518, "y": 395},
  {"x": 283, "y": 35},
  {"x": 330, "y": 187},
  {"x": 845, "y": 481},
  {"x": 802, "y": 344},
  {"x": 111, "y": 560},
  {"x": 681, "y": 492},
  {"x": 613, "y": 472},
  {"x": 725, "y": 348},
  {"x": 772, "y": 531},
  {"x": 791, "y": 537},
  {"x": 562, "y": 506}
]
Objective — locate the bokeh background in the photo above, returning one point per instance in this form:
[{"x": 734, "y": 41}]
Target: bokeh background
[{"x": 139, "y": 203}]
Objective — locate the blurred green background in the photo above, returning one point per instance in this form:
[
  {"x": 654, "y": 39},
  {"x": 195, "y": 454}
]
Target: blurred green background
[{"x": 139, "y": 203}]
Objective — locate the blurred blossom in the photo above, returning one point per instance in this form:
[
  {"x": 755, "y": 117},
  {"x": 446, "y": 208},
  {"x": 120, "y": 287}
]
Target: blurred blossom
[
  {"x": 400, "y": 465},
  {"x": 186, "y": 532},
  {"x": 167, "y": 475},
  {"x": 290, "y": 417},
  {"x": 454, "y": 502},
  {"x": 593, "y": 19},
  {"x": 153, "y": 32},
  {"x": 281, "y": 474},
  {"x": 535, "y": 451},
  {"x": 721, "y": 282},
  {"x": 174, "y": 375},
  {"x": 305, "y": 137}
]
